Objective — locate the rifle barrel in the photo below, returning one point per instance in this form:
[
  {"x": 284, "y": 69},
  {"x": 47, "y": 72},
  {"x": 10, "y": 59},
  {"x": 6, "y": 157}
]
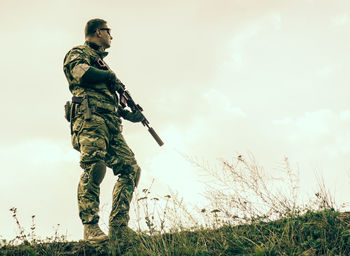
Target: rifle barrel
[
  {"x": 136, "y": 107},
  {"x": 155, "y": 136}
]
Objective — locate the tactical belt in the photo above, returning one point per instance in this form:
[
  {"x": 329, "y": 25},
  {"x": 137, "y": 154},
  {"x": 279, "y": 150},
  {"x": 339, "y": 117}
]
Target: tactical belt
[
  {"x": 90, "y": 109},
  {"x": 94, "y": 108}
]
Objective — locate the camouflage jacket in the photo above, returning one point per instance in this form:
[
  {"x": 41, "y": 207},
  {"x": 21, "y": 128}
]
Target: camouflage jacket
[{"x": 76, "y": 62}]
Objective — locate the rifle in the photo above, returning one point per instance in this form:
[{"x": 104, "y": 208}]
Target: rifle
[{"x": 126, "y": 100}]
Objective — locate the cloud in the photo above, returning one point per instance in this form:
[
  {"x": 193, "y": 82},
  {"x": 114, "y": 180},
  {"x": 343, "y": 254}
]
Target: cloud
[
  {"x": 283, "y": 121},
  {"x": 319, "y": 142},
  {"x": 251, "y": 31},
  {"x": 315, "y": 123},
  {"x": 172, "y": 169},
  {"x": 38, "y": 177},
  {"x": 326, "y": 71},
  {"x": 37, "y": 151},
  {"x": 340, "y": 20},
  {"x": 345, "y": 115},
  {"x": 325, "y": 129},
  {"x": 223, "y": 104}
]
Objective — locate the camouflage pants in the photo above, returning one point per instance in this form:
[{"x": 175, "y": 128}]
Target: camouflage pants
[{"x": 99, "y": 140}]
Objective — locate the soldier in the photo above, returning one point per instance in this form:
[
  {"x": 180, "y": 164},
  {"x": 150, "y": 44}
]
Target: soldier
[{"x": 96, "y": 128}]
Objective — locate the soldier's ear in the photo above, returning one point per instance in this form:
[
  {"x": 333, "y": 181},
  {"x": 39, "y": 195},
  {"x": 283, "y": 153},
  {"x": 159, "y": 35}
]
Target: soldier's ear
[{"x": 98, "y": 33}]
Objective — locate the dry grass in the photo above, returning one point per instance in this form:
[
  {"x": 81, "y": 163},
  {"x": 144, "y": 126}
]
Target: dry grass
[{"x": 248, "y": 213}]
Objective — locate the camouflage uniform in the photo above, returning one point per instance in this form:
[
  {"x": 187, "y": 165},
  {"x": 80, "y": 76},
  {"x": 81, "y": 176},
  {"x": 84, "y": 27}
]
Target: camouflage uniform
[{"x": 99, "y": 139}]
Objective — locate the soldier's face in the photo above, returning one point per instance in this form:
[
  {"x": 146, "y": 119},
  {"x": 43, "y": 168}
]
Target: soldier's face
[{"x": 105, "y": 36}]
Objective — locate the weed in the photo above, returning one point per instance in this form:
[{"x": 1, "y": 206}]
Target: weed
[{"x": 249, "y": 213}]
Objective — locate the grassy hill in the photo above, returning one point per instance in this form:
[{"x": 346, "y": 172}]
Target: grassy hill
[
  {"x": 325, "y": 232},
  {"x": 249, "y": 213}
]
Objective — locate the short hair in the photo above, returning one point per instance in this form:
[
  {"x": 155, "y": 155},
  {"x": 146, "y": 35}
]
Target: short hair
[{"x": 93, "y": 25}]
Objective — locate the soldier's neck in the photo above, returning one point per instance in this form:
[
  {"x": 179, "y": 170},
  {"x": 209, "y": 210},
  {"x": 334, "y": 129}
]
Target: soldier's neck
[{"x": 95, "y": 44}]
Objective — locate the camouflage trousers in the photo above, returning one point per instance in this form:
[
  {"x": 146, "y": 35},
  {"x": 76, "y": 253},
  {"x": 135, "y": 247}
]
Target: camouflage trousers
[{"x": 100, "y": 142}]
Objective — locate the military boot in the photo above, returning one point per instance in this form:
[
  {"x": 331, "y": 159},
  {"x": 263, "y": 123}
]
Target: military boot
[{"x": 92, "y": 232}]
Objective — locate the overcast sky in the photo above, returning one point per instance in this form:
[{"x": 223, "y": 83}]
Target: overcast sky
[{"x": 216, "y": 79}]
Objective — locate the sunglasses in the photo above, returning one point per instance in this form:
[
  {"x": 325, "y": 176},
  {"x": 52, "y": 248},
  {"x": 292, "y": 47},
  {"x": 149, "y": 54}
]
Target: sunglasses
[{"x": 107, "y": 29}]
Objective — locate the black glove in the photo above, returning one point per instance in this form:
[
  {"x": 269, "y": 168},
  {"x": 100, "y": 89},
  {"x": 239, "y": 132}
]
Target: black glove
[
  {"x": 114, "y": 84},
  {"x": 95, "y": 75},
  {"x": 131, "y": 116}
]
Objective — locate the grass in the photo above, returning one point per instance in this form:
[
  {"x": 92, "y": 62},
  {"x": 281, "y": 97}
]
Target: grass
[
  {"x": 248, "y": 214},
  {"x": 313, "y": 233}
]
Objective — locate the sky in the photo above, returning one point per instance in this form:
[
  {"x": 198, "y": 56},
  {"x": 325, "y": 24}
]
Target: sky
[{"x": 216, "y": 79}]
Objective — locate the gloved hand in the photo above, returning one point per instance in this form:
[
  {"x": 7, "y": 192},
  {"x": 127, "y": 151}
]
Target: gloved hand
[
  {"x": 114, "y": 84},
  {"x": 94, "y": 76},
  {"x": 131, "y": 116}
]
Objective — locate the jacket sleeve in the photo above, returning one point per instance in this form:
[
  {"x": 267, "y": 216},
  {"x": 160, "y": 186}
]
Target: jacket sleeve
[
  {"x": 79, "y": 70},
  {"x": 76, "y": 63}
]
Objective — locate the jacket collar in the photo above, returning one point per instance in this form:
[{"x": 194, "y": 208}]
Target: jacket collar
[{"x": 98, "y": 49}]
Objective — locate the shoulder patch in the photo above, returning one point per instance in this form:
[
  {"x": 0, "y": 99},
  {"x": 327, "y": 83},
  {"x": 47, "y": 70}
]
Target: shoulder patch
[{"x": 76, "y": 52}]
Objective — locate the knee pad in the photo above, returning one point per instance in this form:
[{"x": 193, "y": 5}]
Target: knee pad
[
  {"x": 129, "y": 172},
  {"x": 97, "y": 172}
]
